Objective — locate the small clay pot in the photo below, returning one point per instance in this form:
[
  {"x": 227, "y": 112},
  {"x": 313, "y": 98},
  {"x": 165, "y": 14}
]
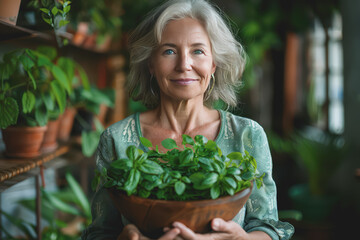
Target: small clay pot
[
  {"x": 23, "y": 142},
  {"x": 66, "y": 124},
  {"x": 50, "y": 143},
  {"x": 151, "y": 215}
]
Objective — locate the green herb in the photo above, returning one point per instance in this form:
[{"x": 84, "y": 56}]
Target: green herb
[{"x": 199, "y": 171}]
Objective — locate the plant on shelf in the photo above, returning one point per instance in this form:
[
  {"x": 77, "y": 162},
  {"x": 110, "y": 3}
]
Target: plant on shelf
[
  {"x": 33, "y": 87},
  {"x": 89, "y": 103},
  {"x": 96, "y": 22},
  {"x": 55, "y": 13}
]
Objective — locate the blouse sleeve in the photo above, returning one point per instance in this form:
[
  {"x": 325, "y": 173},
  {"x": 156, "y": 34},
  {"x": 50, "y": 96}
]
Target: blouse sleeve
[
  {"x": 106, "y": 220},
  {"x": 261, "y": 208}
]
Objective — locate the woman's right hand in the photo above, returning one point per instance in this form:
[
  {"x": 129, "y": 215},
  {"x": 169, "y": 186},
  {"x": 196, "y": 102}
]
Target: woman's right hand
[{"x": 131, "y": 232}]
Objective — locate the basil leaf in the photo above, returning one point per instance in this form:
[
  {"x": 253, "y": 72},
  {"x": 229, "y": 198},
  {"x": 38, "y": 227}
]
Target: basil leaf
[
  {"x": 151, "y": 167},
  {"x": 187, "y": 140},
  {"x": 123, "y": 163},
  {"x": 235, "y": 156},
  {"x": 186, "y": 156},
  {"x": 230, "y": 181},
  {"x": 146, "y": 142},
  {"x": 169, "y": 143},
  {"x": 132, "y": 181},
  {"x": 215, "y": 191},
  {"x": 179, "y": 187},
  {"x": 132, "y": 153}
]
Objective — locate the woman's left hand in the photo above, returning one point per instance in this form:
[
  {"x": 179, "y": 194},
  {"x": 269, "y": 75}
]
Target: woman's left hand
[{"x": 223, "y": 231}]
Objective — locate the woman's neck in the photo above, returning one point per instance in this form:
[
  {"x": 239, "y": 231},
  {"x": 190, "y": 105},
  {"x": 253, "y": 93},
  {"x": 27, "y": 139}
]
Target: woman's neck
[{"x": 182, "y": 117}]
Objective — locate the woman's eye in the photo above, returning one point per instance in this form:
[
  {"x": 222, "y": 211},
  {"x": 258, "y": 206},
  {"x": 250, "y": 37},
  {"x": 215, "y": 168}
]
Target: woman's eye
[
  {"x": 169, "y": 52},
  {"x": 198, "y": 51}
]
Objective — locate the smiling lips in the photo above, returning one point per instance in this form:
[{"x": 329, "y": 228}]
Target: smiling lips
[{"x": 184, "y": 81}]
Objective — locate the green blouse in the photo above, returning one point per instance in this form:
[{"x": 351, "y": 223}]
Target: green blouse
[{"x": 236, "y": 134}]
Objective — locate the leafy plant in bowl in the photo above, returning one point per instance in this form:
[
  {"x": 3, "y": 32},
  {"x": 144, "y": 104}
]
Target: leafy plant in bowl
[{"x": 193, "y": 184}]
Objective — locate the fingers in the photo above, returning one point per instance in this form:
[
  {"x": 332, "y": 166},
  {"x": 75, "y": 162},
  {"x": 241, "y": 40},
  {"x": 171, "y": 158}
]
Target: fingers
[
  {"x": 131, "y": 232},
  {"x": 171, "y": 234},
  {"x": 219, "y": 225},
  {"x": 185, "y": 232}
]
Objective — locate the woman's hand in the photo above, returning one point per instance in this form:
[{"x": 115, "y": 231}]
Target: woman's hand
[
  {"x": 223, "y": 231},
  {"x": 131, "y": 232}
]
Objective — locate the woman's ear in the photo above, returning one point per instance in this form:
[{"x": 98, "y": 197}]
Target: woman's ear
[{"x": 213, "y": 68}]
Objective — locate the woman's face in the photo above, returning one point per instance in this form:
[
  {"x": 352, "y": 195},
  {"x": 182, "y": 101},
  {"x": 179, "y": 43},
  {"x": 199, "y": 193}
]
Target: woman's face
[{"x": 183, "y": 62}]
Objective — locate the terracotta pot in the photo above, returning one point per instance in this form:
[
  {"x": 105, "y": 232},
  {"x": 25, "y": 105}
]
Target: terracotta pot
[
  {"x": 151, "y": 215},
  {"x": 9, "y": 10},
  {"x": 50, "y": 143},
  {"x": 23, "y": 142},
  {"x": 66, "y": 124}
]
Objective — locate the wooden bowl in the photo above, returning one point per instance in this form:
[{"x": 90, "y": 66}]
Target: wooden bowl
[{"x": 151, "y": 215}]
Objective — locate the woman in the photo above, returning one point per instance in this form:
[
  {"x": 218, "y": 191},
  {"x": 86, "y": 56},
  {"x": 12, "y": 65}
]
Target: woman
[{"x": 183, "y": 58}]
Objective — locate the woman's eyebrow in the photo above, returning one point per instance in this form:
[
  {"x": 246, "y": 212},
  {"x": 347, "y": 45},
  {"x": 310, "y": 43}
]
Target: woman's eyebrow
[{"x": 199, "y": 44}]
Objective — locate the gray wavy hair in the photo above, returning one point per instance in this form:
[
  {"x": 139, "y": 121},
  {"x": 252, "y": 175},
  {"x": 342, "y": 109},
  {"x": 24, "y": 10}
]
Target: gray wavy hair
[{"x": 228, "y": 53}]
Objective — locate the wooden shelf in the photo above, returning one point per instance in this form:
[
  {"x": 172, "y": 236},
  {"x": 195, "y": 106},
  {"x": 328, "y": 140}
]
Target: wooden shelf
[
  {"x": 14, "y": 170},
  {"x": 9, "y": 31}
]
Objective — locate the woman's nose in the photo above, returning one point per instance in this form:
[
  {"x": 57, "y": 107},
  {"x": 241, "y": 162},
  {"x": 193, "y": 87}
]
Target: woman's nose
[{"x": 184, "y": 62}]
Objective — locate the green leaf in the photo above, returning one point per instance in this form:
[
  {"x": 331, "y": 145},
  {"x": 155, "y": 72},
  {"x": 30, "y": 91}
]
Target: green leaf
[
  {"x": 187, "y": 140},
  {"x": 151, "y": 167},
  {"x": 89, "y": 142},
  {"x": 80, "y": 195},
  {"x": 59, "y": 204},
  {"x": 200, "y": 139},
  {"x": 49, "y": 52},
  {"x": 54, "y": 10},
  {"x": 230, "y": 181},
  {"x": 41, "y": 116},
  {"x": 179, "y": 187},
  {"x": 235, "y": 156},
  {"x": 146, "y": 142},
  {"x": 84, "y": 77},
  {"x": 48, "y": 101},
  {"x": 26, "y": 61},
  {"x": 132, "y": 181},
  {"x": 44, "y": 10},
  {"x": 186, "y": 156},
  {"x": 123, "y": 163},
  {"x": 169, "y": 143},
  {"x": 61, "y": 77},
  {"x": 132, "y": 152},
  {"x": 63, "y": 23},
  {"x": 59, "y": 94},
  {"x": 211, "y": 145},
  {"x": 9, "y": 112},
  {"x": 215, "y": 191},
  {"x": 32, "y": 79},
  {"x": 28, "y": 102}
]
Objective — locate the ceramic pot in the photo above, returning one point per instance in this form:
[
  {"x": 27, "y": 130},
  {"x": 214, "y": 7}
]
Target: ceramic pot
[
  {"x": 151, "y": 215},
  {"x": 9, "y": 10},
  {"x": 23, "y": 142},
  {"x": 50, "y": 143},
  {"x": 66, "y": 124}
]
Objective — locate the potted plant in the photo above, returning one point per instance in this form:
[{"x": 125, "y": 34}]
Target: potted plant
[
  {"x": 31, "y": 86},
  {"x": 78, "y": 79},
  {"x": 90, "y": 104},
  {"x": 152, "y": 189},
  {"x": 318, "y": 154},
  {"x": 55, "y": 13},
  {"x": 9, "y": 10},
  {"x": 96, "y": 23}
]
